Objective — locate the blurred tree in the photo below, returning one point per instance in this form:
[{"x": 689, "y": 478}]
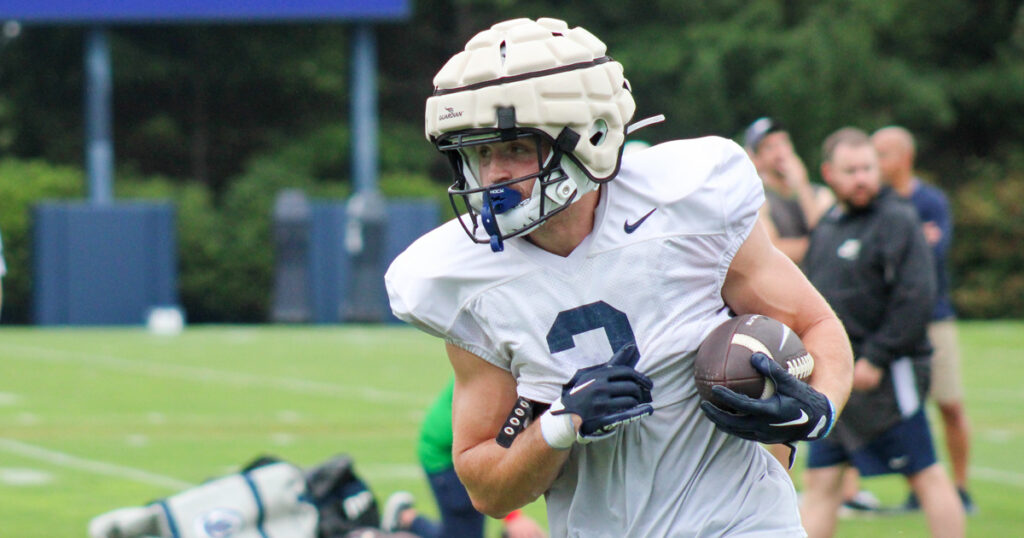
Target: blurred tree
[
  {"x": 219, "y": 105},
  {"x": 197, "y": 102},
  {"x": 190, "y": 102}
]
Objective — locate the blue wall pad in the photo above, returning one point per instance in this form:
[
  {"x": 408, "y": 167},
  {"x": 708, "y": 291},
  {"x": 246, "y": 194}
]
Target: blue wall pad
[
  {"x": 330, "y": 265},
  {"x": 103, "y": 264}
]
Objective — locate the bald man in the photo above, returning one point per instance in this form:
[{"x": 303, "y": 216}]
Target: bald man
[{"x": 896, "y": 152}]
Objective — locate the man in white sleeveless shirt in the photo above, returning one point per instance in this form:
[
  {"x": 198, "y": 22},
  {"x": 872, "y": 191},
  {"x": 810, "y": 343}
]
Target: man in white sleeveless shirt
[{"x": 586, "y": 311}]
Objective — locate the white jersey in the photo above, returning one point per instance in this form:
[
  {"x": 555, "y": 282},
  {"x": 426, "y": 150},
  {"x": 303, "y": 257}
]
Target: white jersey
[{"x": 650, "y": 272}]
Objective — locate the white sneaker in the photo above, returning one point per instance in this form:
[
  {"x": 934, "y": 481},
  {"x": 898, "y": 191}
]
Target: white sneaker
[
  {"x": 396, "y": 503},
  {"x": 864, "y": 503}
]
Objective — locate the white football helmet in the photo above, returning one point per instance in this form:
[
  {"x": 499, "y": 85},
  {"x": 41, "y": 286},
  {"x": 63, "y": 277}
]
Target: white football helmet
[{"x": 529, "y": 79}]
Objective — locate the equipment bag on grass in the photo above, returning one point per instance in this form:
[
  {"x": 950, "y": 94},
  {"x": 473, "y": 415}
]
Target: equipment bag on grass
[{"x": 269, "y": 498}]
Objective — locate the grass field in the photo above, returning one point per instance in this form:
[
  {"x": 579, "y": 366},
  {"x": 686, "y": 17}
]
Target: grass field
[{"x": 96, "y": 419}]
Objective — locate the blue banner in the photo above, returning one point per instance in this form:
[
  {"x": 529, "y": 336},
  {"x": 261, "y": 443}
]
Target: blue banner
[{"x": 156, "y": 11}]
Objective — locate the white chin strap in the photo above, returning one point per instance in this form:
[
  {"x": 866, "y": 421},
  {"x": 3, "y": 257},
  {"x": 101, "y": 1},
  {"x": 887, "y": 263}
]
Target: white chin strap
[{"x": 523, "y": 216}]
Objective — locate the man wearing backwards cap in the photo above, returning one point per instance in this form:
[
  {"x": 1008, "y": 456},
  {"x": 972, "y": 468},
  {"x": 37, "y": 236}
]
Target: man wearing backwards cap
[{"x": 794, "y": 205}]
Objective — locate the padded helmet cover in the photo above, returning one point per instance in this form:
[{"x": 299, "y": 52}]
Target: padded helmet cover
[{"x": 553, "y": 76}]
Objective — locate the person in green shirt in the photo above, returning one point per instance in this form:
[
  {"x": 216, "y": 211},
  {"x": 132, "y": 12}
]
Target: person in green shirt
[{"x": 458, "y": 517}]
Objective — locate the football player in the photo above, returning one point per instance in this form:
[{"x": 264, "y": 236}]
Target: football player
[{"x": 596, "y": 278}]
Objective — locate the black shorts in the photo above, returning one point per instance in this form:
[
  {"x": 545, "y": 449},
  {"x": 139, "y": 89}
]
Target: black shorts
[{"x": 905, "y": 449}]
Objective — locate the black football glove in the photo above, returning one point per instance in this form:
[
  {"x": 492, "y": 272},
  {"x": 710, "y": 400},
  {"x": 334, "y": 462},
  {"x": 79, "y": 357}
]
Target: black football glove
[
  {"x": 607, "y": 395},
  {"x": 796, "y": 412}
]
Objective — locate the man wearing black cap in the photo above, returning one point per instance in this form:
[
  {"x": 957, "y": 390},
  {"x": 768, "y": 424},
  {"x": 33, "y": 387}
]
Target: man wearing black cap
[{"x": 794, "y": 205}]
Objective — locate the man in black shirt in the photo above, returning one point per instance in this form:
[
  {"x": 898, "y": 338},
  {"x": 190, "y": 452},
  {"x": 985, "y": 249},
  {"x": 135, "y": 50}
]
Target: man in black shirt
[{"x": 870, "y": 260}]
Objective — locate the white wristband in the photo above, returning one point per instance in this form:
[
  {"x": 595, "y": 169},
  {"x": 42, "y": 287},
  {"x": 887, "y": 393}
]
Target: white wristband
[{"x": 558, "y": 430}]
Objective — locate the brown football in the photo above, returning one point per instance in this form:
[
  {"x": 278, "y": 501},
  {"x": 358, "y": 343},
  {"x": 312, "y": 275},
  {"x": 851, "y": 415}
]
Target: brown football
[{"x": 724, "y": 356}]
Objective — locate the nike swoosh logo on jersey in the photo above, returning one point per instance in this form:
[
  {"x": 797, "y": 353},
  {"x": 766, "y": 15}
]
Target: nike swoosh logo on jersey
[
  {"x": 578, "y": 388},
  {"x": 630, "y": 228},
  {"x": 802, "y": 419}
]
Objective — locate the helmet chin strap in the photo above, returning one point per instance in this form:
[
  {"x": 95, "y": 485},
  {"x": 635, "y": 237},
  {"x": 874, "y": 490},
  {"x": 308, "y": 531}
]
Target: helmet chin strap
[
  {"x": 561, "y": 183},
  {"x": 497, "y": 201}
]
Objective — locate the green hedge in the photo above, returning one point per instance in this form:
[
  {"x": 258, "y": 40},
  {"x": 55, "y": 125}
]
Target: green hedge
[
  {"x": 22, "y": 184},
  {"x": 988, "y": 244},
  {"x": 225, "y": 248}
]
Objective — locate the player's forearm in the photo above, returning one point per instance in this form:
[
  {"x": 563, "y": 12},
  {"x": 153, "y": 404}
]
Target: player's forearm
[
  {"x": 827, "y": 342},
  {"x": 500, "y": 480}
]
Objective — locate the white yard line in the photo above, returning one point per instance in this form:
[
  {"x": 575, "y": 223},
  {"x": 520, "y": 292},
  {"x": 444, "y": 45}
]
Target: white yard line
[
  {"x": 379, "y": 471},
  {"x": 997, "y": 395},
  {"x": 997, "y": 476},
  {"x": 69, "y": 461},
  {"x": 193, "y": 373}
]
